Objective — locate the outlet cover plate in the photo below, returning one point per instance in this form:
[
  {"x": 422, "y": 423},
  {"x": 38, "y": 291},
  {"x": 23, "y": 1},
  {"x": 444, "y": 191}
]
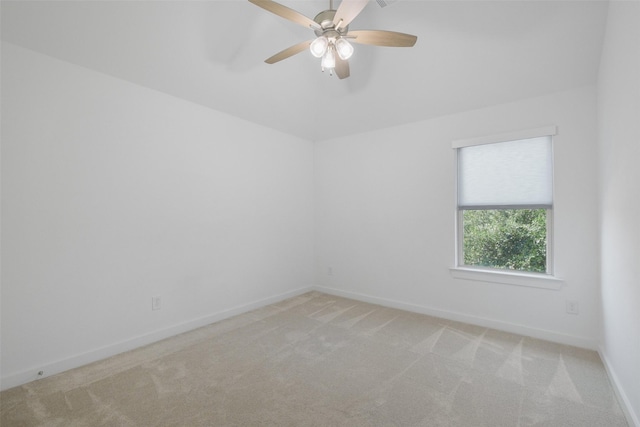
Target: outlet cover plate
[{"x": 572, "y": 307}]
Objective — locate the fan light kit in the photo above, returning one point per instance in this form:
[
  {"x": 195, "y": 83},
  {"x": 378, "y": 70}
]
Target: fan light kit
[{"x": 333, "y": 38}]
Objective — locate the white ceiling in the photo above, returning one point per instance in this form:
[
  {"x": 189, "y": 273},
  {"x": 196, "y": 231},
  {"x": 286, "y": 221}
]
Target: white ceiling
[{"x": 469, "y": 54}]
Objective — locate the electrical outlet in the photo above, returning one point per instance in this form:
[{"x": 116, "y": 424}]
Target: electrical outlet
[
  {"x": 156, "y": 303},
  {"x": 572, "y": 307}
]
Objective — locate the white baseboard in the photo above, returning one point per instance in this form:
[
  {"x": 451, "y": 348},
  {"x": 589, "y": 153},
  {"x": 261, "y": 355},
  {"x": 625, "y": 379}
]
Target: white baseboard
[
  {"x": 543, "y": 334},
  {"x": 101, "y": 353},
  {"x": 632, "y": 418}
]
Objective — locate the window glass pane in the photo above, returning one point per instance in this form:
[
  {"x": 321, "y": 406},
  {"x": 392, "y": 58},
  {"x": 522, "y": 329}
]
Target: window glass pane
[
  {"x": 512, "y": 239},
  {"x": 513, "y": 173}
]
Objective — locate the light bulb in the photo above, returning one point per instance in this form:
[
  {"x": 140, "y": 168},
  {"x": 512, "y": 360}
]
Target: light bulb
[
  {"x": 319, "y": 46},
  {"x": 328, "y": 60},
  {"x": 344, "y": 48}
]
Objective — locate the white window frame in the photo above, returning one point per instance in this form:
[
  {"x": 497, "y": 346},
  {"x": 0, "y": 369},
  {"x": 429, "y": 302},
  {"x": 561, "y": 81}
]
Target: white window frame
[{"x": 484, "y": 274}]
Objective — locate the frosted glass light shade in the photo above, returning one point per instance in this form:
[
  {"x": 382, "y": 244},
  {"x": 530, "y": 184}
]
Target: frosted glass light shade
[
  {"x": 319, "y": 46},
  {"x": 329, "y": 60},
  {"x": 512, "y": 173},
  {"x": 344, "y": 49}
]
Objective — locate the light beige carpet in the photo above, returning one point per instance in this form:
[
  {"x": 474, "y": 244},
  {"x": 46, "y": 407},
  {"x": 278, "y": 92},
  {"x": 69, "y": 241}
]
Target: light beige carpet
[{"x": 320, "y": 360}]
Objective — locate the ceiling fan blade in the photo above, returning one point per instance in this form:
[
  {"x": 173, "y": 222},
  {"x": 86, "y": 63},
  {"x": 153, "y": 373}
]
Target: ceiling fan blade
[
  {"x": 347, "y": 11},
  {"x": 286, "y": 13},
  {"x": 290, "y": 51},
  {"x": 341, "y": 68},
  {"x": 382, "y": 38}
]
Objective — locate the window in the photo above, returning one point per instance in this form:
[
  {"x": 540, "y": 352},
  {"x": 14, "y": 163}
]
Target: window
[{"x": 505, "y": 202}]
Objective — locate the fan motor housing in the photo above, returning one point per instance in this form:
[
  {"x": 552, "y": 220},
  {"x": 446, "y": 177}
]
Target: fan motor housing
[{"x": 327, "y": 28}]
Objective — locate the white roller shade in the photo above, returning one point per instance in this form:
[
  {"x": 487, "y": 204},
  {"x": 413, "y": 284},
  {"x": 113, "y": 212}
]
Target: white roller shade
[{"x": 514, "y": 173}]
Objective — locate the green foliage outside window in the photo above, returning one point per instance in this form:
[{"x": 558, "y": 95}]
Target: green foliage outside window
[{"x": 513, "y": 239}]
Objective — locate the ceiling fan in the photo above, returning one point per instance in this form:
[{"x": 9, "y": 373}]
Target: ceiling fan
[{"x": 332, "y": 34}]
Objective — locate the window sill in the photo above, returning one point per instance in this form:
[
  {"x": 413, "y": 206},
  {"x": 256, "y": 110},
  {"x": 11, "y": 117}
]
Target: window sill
[{"x": 543, "y": 281}]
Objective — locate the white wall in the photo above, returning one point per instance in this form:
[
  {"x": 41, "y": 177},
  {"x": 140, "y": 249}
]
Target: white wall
[
  {"x": 385, "y": 219},
  {"x": 113, "y": 193},
  {"x": 619, "y": 136}
]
